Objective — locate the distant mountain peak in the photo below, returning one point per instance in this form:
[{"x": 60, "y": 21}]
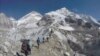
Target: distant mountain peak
[
  {"x": 5, "y": 21},
  {"x": 2, "y": 14},
  {"x": 35, "y": 12},
  {"x": 31, "y": 14},
  {"x": 63, "y": 12},
  {"x": 64, "y": 9},
  {"x": 30, "y": 17}
]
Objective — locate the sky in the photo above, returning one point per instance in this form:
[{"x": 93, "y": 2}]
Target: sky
[{"x": 19, "y": 8}]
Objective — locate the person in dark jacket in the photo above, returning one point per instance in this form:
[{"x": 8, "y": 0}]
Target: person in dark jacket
[
  {"x": 25, "y": 48},
  {"x": 47, "y": 39},
  {"x": 43, "y": 39},
  {"x": 51, "y": 32},
  {"x": 38, "y": 42}
]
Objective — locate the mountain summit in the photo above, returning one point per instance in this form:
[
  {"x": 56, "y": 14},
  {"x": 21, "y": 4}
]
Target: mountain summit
[
  {"x": 5, "y": 21},
  {"x": 31, "y": 17}
]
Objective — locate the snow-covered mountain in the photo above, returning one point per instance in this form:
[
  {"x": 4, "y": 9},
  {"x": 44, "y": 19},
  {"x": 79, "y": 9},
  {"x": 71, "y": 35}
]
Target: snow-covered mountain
[
  {"x": 69, "y": 33},
  {"x": 5, "y": 21},
  {"x": 32, "y": 17},
  {"x": 65, "y": 13}
]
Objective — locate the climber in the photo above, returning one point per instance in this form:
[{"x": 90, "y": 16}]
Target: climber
[
  {"x": 47, "y": 38},
  {"x": 25, "y": 48},
  {"x": 51, "y": 31},
  {"x": 43, "y": 39},
  {"x": 98, "y": 32},
  {"x": 38, "y": 42}
]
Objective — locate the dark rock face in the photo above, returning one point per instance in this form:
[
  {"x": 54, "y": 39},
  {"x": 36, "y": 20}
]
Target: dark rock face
[
  {"x": 79, "y": 22},
  {"x": 75, "y": 47},
  {"x": 99, "y": 21},
  {"x": 70, "y": 20},
  {"x": 46, "y": 20},
  {"x": 88, "y": 25}
]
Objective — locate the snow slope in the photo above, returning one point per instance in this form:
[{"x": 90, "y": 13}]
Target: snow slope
[
  {"x": 5, "y": 21},
  {"x": 68, "y": 28},
  {"x": 29, "y": 18}
]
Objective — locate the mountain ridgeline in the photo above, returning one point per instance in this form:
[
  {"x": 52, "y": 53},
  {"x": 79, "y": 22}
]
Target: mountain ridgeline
[{"x": 61, "y": 33}]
